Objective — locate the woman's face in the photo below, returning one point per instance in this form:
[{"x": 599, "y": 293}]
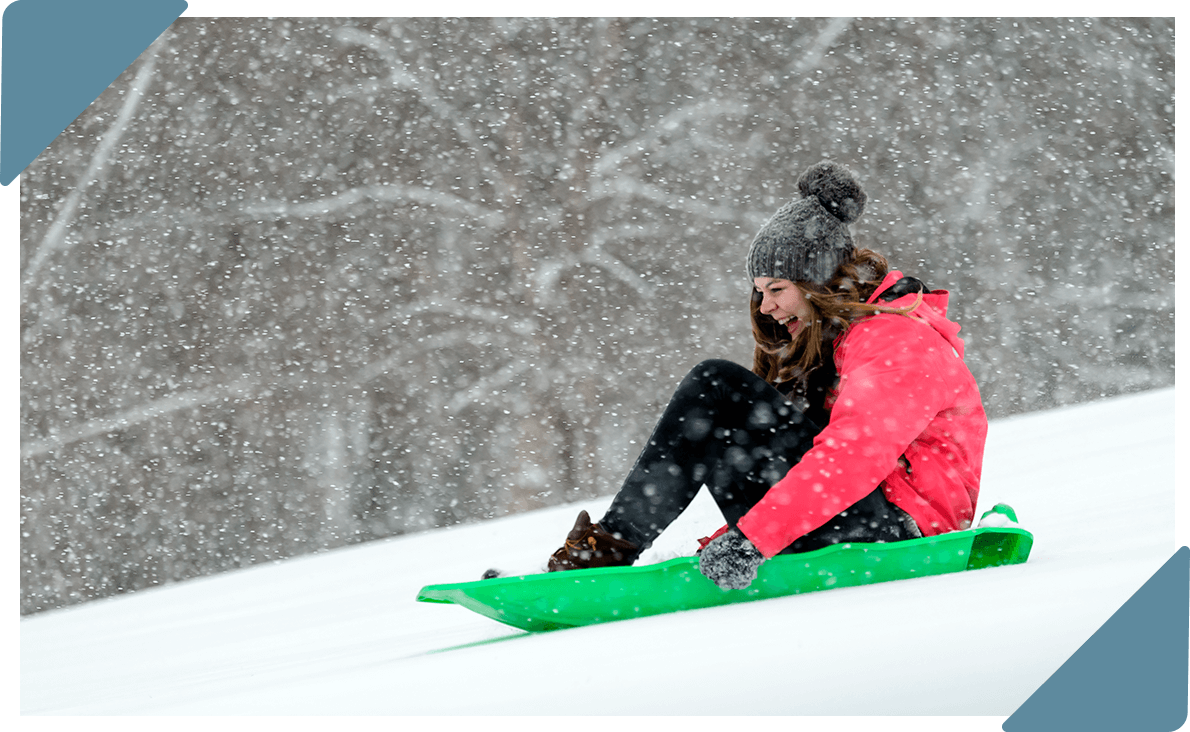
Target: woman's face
[{"x": 784, "y": 302}]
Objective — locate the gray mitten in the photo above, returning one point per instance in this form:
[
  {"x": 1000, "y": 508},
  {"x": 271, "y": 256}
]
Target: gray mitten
[{"x": 730, "y": 560}]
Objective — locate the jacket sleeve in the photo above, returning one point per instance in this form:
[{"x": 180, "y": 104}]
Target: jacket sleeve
[{"x": 892, "y": 383}]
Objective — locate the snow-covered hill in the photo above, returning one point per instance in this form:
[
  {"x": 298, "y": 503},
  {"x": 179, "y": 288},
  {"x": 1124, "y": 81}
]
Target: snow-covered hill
[{"x": 340, "y": 633}]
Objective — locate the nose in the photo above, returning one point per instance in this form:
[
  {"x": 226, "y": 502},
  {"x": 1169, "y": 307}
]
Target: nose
[{"x": 766, "y": 304}]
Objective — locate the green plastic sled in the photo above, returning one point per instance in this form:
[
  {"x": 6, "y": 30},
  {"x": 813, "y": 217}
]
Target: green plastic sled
[{"x": 555, "y": 600}]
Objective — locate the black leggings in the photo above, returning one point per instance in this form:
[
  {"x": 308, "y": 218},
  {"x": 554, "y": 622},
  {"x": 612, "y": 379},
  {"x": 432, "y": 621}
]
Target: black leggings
[{"x": 727, "y": 428}]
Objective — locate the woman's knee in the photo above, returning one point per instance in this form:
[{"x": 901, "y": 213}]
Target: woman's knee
[
  {"x": 716, "y": 368},
  {"x": 711, "y": 378}
]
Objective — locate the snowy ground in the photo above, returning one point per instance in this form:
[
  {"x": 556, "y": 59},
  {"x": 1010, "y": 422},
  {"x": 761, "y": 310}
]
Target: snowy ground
[{"x": 340, "y": 634}]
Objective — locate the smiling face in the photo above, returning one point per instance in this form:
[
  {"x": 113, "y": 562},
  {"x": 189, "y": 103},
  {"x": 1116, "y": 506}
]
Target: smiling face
[{"x": 784, "y": 302}]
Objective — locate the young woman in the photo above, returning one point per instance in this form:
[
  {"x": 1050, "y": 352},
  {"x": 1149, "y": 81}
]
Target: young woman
[{"x": 859, "y": 421}]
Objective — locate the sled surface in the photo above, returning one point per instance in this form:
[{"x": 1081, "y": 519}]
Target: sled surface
[{"x": 555, "y": 600}]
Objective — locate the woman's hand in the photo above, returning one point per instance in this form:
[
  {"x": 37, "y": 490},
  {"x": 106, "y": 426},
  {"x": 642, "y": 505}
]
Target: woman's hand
[{"x": 730, "y": 561}]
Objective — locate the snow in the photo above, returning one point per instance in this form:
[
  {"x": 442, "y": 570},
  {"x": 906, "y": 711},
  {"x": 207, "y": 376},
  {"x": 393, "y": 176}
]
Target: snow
[{"x": 339, "y": 633}]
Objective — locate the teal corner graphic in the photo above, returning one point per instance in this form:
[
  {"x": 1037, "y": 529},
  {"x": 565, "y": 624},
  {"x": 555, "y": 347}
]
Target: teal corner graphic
[
  {"x": 59, "y": 55},
  {"x": 1132, "y": 674}
]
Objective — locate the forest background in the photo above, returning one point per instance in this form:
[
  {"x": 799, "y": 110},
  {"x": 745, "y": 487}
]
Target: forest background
[{"x": 291, "y": 284}]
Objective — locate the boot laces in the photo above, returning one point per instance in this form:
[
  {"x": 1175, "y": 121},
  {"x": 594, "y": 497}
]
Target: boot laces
[{"x": 576, "y": 544}]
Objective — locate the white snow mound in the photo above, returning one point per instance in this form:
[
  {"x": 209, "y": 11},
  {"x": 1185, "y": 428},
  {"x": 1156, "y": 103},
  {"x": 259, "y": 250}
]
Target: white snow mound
[{"x": 339, "y": 633}]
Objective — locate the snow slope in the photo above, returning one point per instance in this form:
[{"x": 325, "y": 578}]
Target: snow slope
[{"x": 339, "y": 633}]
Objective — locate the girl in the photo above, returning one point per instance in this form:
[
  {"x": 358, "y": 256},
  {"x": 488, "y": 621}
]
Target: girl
[{"x": 859, "y": 421}]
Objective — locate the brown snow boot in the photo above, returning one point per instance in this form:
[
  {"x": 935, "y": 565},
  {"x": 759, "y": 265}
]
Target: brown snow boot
[{"x": 588, "y": 545}]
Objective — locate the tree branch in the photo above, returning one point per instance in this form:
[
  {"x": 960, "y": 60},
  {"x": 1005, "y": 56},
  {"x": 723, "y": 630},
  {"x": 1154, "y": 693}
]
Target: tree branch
[
  {"x": 401, "y": 78},
  {"x": 55, "y": 239},
  {"x": 237, "y": 390},
  {"x": 385, "y": 193},
  {"x": 826, "y": 38}
]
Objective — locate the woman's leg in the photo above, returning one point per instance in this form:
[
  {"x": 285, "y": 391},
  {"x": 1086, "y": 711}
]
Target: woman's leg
[
  {"x": 873, "y": 518},
  {"x": 724, "y": 427},
  {"x": 727, "y": 428}
]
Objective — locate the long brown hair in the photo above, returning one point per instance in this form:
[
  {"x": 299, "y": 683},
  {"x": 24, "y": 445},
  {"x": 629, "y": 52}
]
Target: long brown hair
[{"x": 779, "y": 357}]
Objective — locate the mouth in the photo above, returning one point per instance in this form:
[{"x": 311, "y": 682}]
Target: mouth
[{"x": 788, "y": 320}]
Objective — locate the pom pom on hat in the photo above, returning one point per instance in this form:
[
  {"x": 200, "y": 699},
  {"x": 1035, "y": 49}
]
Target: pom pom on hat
[{"x": 835, "y": 188}]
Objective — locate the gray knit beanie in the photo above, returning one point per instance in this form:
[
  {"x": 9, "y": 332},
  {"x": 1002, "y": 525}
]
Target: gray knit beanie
[{"x": 807, "y": 239}]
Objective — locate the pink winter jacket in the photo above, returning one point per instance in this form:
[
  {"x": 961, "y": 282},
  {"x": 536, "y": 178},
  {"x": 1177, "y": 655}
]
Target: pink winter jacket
[{"x": 903, "y": 391}]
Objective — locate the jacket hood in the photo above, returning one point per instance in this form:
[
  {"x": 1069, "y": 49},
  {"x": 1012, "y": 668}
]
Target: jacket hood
[{"x": 931, "y": 311}]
